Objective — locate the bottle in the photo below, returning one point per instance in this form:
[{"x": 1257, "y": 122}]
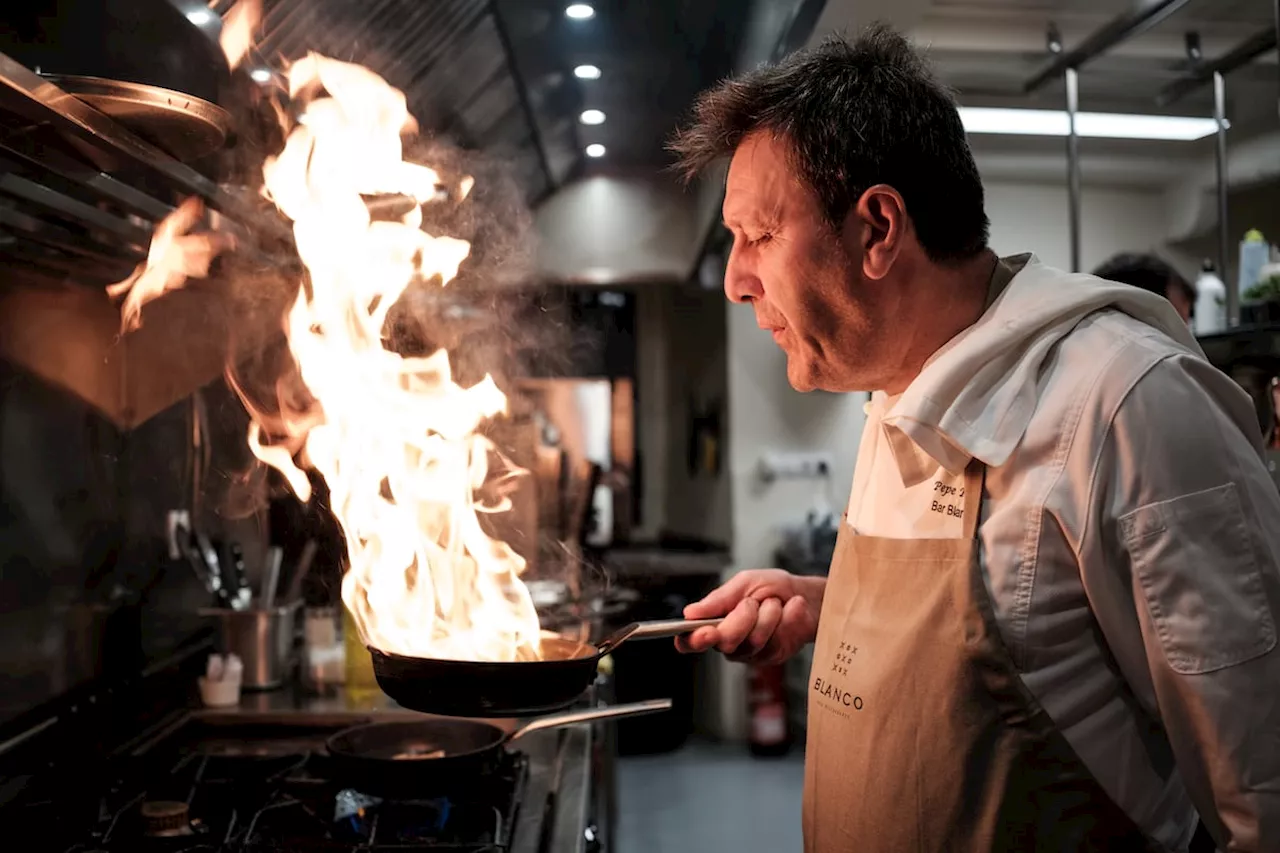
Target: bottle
[
  {"x": 1211, "y": 302},
  {"x": 361, "y": 684},
  {"x": 1255, "y": 252}
]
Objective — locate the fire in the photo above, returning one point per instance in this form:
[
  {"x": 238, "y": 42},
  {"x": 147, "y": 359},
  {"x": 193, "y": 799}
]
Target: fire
[
  {"x": 394, "y": 437},
  {"x": 238, "y": 26},
  {"x": 174, "y": 256}
]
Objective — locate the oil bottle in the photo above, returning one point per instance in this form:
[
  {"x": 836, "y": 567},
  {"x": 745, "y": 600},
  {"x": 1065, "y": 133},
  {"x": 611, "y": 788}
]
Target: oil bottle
[{"x": 361, "y": 682}]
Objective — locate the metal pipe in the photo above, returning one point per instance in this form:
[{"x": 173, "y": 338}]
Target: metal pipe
[
  {"x": 1143, "y": 16},
  {"x": 1220, "y": 158},
  {"x": 1202, "y": 73},
  {"x": 522, "y": 93},
  {"x": 1073, "y": 164}
]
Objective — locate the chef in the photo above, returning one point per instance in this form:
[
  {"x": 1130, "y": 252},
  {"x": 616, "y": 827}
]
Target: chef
[
  {"x": 1150, "y": 273},
  {"x": 1050, "y": 621}
]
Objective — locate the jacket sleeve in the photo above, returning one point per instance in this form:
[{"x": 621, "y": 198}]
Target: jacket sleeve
[{"x": 1191, "y": 520}]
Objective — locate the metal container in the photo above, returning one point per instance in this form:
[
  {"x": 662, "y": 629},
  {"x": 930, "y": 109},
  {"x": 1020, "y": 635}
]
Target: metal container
[{"x": 262, "y": 639}]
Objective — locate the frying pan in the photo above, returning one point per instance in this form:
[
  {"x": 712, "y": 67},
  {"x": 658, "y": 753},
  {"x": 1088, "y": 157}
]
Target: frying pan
[
  {"x": 457, "y": 688},
  {"x": 424, "y": 756}
]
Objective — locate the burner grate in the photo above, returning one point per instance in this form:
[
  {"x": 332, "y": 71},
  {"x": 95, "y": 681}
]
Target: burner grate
[{"x": 267, "y": 804}]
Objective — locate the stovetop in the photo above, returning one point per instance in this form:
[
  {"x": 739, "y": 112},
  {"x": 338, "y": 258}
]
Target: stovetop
[{"x": 245, "y": 789}]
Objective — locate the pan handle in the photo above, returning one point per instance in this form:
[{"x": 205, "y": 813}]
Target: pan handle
[
  {"x": 632, "y": 709},
  {"x": 653, "y": 630}
]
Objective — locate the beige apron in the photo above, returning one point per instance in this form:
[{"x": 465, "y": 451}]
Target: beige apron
[{"x": 921, "y": 735}]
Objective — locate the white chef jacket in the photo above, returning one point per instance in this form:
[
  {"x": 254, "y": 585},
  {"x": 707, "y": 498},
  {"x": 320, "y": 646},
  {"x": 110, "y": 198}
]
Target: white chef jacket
[{"x": 1130, "y": 539}]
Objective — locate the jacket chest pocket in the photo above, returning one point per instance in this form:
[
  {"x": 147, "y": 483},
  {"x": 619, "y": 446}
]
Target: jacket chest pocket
[{"x": 1194, "y": 559}]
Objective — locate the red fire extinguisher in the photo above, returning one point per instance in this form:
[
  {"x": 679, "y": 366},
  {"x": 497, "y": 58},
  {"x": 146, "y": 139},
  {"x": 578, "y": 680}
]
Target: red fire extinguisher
[{"x": 767, "y": 709}]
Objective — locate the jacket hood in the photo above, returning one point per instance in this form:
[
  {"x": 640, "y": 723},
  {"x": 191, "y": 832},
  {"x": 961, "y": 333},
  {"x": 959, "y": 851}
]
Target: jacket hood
[{"x": 976, "y": 395}]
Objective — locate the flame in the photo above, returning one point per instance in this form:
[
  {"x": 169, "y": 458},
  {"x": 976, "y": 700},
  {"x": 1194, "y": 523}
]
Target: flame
[
  {"x": 238, "y": 27},
  {"x": 394, "y": 437},
  {"x": 174, "y": 256}
]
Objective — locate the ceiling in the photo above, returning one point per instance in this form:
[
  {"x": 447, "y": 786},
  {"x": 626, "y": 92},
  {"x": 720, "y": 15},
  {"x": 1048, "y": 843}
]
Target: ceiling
[
  {"x": 988, "y": 49},
  {"x": 497, "y": 75}
]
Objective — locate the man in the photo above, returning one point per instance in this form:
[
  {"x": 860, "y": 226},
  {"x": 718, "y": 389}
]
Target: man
[
  {"x": 1151, "y": 274},
  {"x": 1050, "y": 621}
]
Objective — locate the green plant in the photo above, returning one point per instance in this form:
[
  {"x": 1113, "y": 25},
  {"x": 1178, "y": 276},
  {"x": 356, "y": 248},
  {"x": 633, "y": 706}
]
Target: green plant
[{"x": 1267, "y": 290}]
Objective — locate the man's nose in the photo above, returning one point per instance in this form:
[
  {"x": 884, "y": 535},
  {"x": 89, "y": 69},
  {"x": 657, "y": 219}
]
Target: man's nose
[{"x": 741, "y": 284}]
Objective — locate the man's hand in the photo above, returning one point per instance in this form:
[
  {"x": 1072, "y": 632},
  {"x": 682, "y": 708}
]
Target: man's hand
[{"x": 768, "y": 615}]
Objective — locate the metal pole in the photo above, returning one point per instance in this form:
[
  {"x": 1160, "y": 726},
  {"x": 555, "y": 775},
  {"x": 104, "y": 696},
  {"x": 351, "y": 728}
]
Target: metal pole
[
  {"x": 1220, "y": 158},
  {"x": 1277, "y": 16},
  {"x": 1073, "y": 165}
]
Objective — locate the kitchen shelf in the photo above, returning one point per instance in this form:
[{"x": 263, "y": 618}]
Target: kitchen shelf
[{"x": 1243, "y": 343}]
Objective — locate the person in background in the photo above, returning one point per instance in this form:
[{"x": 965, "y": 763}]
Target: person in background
[
  {"x": 1153, "y": 275},
  {"x": 1050, "y": 623}
]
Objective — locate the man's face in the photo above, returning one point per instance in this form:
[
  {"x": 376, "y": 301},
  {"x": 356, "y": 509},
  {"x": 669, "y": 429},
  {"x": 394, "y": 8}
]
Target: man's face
[{"x": 802, "y": 278}]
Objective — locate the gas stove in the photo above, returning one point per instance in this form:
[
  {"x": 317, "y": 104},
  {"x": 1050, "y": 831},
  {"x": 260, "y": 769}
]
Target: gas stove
[{"x": 245, "y": 788}]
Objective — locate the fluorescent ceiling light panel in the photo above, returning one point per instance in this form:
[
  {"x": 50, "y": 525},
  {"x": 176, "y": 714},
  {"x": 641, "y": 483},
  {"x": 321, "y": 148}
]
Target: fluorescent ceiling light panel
[
  {"x": 1096, "y": 125},
  {"x": 580, "y": 11},
  {"x": 587, "y": 72},
  {"x": 595, "y": 149}
]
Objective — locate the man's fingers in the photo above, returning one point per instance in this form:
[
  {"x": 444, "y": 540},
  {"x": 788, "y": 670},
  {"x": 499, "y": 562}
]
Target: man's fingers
[
  {"x": 735, "y": 627},
  {"x": 799, "y": 623},
  {"x": 768, "y": 618},
  {"x": 699, "y": 640},
  {"x": 767, "y": 621},
  {"x": 720, "y": 600},
  {"x": 796, "y": 626}
]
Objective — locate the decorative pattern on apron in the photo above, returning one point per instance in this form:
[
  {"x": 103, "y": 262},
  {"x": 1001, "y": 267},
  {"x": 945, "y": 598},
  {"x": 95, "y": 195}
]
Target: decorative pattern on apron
[{"x": 921, "y": 735}]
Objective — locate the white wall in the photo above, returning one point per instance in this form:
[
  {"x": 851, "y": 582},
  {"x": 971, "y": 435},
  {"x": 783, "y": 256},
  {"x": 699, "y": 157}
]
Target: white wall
[{"x": 1033, "y": 218}]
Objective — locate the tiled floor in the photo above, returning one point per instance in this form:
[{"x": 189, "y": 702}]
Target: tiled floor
[{"x": 707, "y": 798}]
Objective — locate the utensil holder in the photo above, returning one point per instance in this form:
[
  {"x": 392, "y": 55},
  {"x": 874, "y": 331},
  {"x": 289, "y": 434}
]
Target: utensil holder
[{"x": 262, "y": 639}]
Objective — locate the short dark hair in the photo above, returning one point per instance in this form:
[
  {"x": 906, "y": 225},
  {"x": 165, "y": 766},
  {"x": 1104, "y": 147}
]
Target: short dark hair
[
  {"x": 1145, "y": 271},
  {"x": 855, "y": 115}
]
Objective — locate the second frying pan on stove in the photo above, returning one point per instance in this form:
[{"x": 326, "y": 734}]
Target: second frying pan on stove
[
  {"x": 457, "y": 688},
  {"x": 419, "y": 756}
]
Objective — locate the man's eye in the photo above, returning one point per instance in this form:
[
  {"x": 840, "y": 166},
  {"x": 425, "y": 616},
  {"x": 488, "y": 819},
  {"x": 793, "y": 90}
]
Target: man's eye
[{"x": 763, "y": 238}]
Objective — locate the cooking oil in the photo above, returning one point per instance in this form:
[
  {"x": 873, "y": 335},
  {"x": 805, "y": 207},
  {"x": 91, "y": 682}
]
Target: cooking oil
[{"x": 361, "y": 683}]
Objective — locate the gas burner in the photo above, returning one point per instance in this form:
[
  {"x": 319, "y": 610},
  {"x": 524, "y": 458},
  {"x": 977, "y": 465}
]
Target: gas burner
[
  {"x": 186, "y": 794},
  {"x": 165, "y": 818}
]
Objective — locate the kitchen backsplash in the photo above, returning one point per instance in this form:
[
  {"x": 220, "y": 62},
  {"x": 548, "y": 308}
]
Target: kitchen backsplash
[{"x": 86, "y": 585}]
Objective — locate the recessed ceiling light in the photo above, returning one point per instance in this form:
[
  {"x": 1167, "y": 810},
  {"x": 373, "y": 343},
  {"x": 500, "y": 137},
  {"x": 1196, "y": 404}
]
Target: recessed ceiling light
[
  {"x": 260, "y": 75},
  {"x": 591, "y": 117},
  {"x": 587, "y": 72},
  {"x": 580, "y": 11},
  {"x": 595, "y": 149},
  {"x": 1096, "y": 125},
  {"x": 200, "y": 17}
]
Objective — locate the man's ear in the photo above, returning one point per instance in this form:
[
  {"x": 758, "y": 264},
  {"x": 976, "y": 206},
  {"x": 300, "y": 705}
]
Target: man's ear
[{"x": 878, "y": 223}]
